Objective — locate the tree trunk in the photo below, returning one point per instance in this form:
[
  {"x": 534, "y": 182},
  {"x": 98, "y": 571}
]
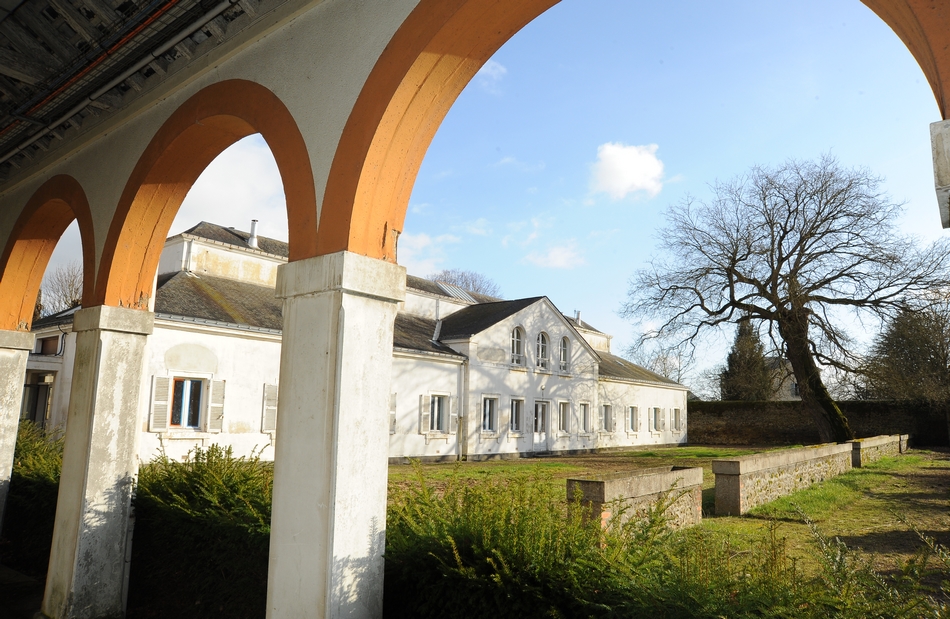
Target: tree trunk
[{"x": 832, "y": 424}]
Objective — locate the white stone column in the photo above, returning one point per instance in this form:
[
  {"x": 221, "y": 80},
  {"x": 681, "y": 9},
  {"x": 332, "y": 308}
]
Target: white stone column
[
  {"x": 86, "y": 578},
  {"x": 330, "y": 471},
  {"x": 940, "y": 144},
  {"x": 15, "y": 347}
]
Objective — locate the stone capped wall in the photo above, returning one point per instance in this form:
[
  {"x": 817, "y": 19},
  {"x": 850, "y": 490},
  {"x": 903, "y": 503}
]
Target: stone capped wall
[
  {"x": 748, "y": 481},
  {"x": 632, "y": 494},
  {"x": 867, "y": 450}
]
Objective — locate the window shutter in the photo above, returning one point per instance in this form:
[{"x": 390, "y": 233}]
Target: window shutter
[
  {"x": 392, "y": 413},
  {"x": 158, "y": 413},
  {"x": 663, "y": 419},
  {"x": 216, "y": 407},
  {"x": 269, "y": 418},
  {"x": 600, "y": 418},
  {"x": 453, "y": 415},
  {"x": 424, "y": 415}
]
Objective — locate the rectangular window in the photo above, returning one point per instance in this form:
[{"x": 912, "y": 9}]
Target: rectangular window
[
  {"x": 186, "y": 403},
  {"x": 657, "y": 420},
  {"x": 633, "y": 419},
  {"x": 585, "y": 417},
  {"x": 517, "y": 409},
  {"x": 438, "y": 413},
  {"x": 677, "y": 421},
  {"x": 540, "y": 416},
  {"x": 608, "y": 418},
  {"x": 564, "y": 417},
  {"x": 489, "y": 414},
  {"x": 47, "y": 345}
]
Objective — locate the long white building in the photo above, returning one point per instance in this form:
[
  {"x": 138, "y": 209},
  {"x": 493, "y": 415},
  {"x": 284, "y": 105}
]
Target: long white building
[{"x": 473, "y": 377}]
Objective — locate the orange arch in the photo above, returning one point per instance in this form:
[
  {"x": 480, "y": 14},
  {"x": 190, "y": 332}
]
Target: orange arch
[
  {"x": 47, "y": 214},
  {"x": 430, "y": 59},
  {"x": 196, "y": 133}
]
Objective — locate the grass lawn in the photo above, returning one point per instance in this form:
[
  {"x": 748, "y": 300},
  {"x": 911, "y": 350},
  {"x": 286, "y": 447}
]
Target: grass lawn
[{"x": 874, "y": 509}]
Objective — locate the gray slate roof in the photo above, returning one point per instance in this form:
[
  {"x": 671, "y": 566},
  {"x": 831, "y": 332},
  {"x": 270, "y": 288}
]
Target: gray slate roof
[
  {"x": 415, "y": 333},
  {"x": 476, "y": 318},
  {"x": 238, "y": 238},
  {"x": 612, "y": 366},
  {"x": 218, "y": 299}
]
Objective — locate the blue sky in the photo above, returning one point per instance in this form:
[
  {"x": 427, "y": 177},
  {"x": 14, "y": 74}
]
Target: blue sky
[{"x": 552, "y": 172}]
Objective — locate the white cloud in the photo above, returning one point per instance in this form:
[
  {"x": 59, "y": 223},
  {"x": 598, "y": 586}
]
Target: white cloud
[
  {"x": 490, "y": 75},
  {"x": 480, "y": 227},
  {"x": 422, "y": 254},
  {"x": 622, "y": 170},
  {"x": 241, "y": 184},
  {"x": 564, "y": 256},
  {"x": 520, "y": 165}
]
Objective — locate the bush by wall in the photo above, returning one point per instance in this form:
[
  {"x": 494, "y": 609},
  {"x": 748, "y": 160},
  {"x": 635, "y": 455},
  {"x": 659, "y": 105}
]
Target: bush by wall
[{"x": 787, "y": 423}]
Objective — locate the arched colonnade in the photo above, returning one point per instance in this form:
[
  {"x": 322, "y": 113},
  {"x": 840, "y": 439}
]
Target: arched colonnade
[{"x": 348, "y": 97}]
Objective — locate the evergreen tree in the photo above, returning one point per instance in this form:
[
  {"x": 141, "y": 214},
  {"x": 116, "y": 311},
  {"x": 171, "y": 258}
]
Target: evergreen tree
[
  {"x": 910, "y": 359},
  {"x": 747, "y": 376}
]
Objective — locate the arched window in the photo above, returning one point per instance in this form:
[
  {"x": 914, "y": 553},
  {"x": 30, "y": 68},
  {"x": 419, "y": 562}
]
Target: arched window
[
  {"x": 544, "y": 359},
  {"x": 564, "y": 355},
  {"x": 517, "y": 346}
]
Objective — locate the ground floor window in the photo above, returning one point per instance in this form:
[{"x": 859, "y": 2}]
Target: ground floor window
[
  {"x": 608, "y": 421},
  {"x": 564, "y": 417},
  {"x": 489, "y": 414},
  {"x": 657, "y": 420},
  {"x": 585, "y": 417},
  {"x": 517, "y": 409},
  {"x": 633, "y": 419},
  {"x": 186, "y": 403},
  {"x": 540, "y": 416},
  {"x": 677, "y": 420},
  {"x": 438, "y": 414}
]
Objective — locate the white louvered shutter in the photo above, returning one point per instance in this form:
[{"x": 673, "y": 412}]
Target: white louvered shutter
[
  {"x": 216, "y": 407},
  {"x": 453, "y": 415},
  {"x": 424, "y": 414},
  {"x": 392, "y": 413},
  {"x": 663, "y": 419},
  {"x": 600, "y": 418},
  {"x": 269, "y": 415},
  {"x": 158, "y": 412}
]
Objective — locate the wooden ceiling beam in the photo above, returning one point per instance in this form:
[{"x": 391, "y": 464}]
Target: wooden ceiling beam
[
  {"x": 22, "y": 67},
  {"x": 24, "y": 42},
  {"x": 101, "y": 8},
  {"x": 30, "y": 15},
  {"x": 77, "y": 21}
]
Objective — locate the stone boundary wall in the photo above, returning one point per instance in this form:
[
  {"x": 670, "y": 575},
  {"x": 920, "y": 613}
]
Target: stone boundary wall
[
  {"x": 634, "y": 493},
  {"x": 748, "y": 481},
  {"x": 867, "y": 450},
  {"x": 786, "y": 423}
]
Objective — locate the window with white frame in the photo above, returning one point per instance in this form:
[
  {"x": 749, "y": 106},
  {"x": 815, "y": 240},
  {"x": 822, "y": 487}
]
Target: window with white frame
[
  {"x": 677, "y": 420},
  {"x": 607, "y": 417},
  {"x": 657, "y": 422},
  {"x": 489, "y": 414},
  {"x": 564, "y": 417},
  {"x": 585, "y": 417},
  {"x": 564, "y": 355},
  {"x": 186, "y": 403},
  {"x": 517, "y": 410},
  {"x": 544, "y": 358},
  {"x": 633, "y": 419},
  {"x": 540, "y": 416},
  {"x": 517, "y": 346},
  {"x": 438, "y": 413}
]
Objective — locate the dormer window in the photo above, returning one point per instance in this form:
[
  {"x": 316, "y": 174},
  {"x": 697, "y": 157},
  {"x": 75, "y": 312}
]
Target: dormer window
[
  {"x": 517, "y": 346},
  {"x": 564, "y": 355},
  {"x": 544, "y": 359}
]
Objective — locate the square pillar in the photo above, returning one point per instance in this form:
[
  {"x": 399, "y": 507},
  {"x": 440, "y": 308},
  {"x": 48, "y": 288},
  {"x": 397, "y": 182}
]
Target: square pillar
[
  {"x": 15, "y": 347},
  {"x": 87, "y": 569},
  {"x": 940, "y": 144},
  {"x": 330, "y": 470}
]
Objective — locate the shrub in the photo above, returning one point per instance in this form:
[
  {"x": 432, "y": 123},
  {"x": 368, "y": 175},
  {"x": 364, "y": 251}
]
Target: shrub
[
  {"x": 201, "y": 536},
  {"x": 31, "y": 501}
]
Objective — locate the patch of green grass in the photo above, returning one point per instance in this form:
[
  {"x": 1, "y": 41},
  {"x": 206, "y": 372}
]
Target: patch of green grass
[{"x": 691, "y": 452}]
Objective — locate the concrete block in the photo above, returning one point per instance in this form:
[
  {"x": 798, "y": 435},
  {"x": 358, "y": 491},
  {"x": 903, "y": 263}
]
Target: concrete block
[
  {"x": 940, "y": 145},
  {"x": 632, "y": 494}
]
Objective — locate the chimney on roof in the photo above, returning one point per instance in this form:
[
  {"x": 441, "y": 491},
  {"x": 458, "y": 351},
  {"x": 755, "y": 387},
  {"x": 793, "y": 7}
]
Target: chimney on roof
[
  {"x": 577, "y": 318},
  {"x": 252, "y": 240}
]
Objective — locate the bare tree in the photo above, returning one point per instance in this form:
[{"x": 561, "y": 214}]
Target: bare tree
[
  {"x": 467, "y": 280},
  {"x": 62, "y": 288},
  {"x": 791, "y": 247},
  {"x": 668, "y": 361}
]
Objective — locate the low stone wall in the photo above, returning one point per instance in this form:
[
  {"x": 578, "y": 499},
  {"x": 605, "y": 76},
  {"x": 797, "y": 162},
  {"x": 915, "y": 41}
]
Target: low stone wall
[
  {"x": 748, "y": 481},
  {"x": 786, "y": 423},
  {"x": 867, "y": 450},
  {"x": 633, "y": 494}
]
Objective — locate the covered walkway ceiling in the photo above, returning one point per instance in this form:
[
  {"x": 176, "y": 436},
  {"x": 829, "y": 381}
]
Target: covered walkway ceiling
[{"x": 66, "y": 64}]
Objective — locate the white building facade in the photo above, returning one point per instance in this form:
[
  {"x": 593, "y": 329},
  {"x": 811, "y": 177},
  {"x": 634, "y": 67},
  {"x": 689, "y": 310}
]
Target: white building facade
[{"x": 473, "y": 377}]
